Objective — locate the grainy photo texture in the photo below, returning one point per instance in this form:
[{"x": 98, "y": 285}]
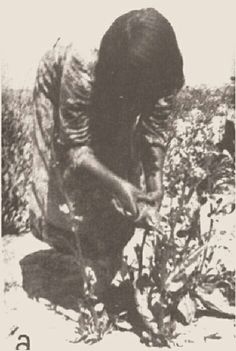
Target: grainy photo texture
[{"x": 118, "y": 176}]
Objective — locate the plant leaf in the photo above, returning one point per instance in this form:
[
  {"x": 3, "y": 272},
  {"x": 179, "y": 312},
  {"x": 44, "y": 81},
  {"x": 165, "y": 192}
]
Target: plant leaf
[
  {"x": 215, "y": 301},
  {"x": 187, "y": 307}
]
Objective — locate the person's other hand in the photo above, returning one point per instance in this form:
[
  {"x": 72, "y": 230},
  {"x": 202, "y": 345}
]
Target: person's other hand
[
  {"x": 148, "y": 217},
  {"x": 127, "y": 198}
]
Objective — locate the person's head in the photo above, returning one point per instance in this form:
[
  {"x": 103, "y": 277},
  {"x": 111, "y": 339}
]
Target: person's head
[{"x": 139, "y": 59}]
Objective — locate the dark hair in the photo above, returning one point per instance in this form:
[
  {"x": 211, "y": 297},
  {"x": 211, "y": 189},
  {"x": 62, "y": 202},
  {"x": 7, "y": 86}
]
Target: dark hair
[{"x": 139, "y": 59}]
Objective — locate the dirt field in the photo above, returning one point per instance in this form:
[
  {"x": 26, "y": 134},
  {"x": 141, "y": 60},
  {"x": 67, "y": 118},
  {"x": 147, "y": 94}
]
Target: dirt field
[{"x": 50, "y": 282}]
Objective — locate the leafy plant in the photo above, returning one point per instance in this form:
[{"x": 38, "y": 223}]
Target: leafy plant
[{"x": 179, "y": 276}]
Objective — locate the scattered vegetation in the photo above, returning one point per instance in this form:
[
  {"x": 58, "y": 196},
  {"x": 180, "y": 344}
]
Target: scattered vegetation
[
  {"x": 180, "y": 276},
  {"x": 17, "y": 111}
]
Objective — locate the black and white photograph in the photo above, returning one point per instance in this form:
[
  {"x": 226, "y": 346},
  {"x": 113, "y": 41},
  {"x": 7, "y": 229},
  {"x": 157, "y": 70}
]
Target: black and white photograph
[{"x": 118, "y": 175}]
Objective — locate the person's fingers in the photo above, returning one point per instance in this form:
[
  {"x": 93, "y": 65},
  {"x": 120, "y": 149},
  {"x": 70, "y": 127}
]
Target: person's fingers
[
  {"x": 153, "y": 219},
  {"x": 141, "y": 215},
  {"x": 127, "y": 198},
  {"x": 130, "y": 204},
  {"x": 119, "y": 208},
  {"x": 132, "y": 209},
  {"x": 148, "y": 217}
]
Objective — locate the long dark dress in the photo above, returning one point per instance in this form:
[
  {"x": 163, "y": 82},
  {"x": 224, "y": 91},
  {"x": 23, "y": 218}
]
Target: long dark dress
[{"x": 63, "y": 115}]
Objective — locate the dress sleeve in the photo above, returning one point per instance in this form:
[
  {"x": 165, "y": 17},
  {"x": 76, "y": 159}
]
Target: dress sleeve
[
  {"x": 74, "y": 109},
  {"x": 154, "y": 125},
  {"x": 154, "y": 133},
  {"x": 46, "y": 94}
]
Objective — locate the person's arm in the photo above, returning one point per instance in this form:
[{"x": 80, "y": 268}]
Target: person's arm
[
  {"x": 153, "y": 166},
  {"x": 154, "y": 139},
  {"x": 83, "y": 158},
  {"x": 74, "y": 132}
]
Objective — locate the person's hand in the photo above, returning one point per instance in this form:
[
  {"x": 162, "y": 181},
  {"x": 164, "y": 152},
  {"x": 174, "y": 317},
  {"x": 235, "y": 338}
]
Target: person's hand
[
  {"x": 149, "y": 209},
  {"x": 154, "y": 198},
  {"x": 148, "y": 217},
  {"x": 127, "y": 198},
  {"x": 140, "y": 207}
]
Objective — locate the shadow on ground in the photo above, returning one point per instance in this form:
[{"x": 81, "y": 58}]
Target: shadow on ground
[
  {"x": 56, "y": 277},
  {"x": 53, "y": 276}
]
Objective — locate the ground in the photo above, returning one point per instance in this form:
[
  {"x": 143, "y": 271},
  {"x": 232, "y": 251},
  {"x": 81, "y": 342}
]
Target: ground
[{"x": 40, "y": 290}]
